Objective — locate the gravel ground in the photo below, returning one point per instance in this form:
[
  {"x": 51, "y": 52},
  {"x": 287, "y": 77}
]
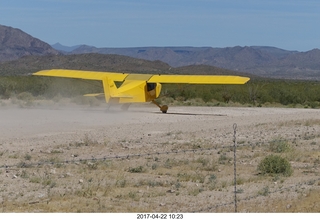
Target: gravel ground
[{"x": 31, "y": 134}]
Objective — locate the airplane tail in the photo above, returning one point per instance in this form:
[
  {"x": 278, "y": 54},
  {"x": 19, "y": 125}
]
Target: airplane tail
[{"x": 109, "y": 88}]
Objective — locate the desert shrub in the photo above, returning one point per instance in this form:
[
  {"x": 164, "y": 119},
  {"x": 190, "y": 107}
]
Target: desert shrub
[
  {"x": 26, "y": 99},
  {"x": 275, "y": 164},
  {"x": 206, "y": 96},
  {"x": 25, "y": 96},
  {"x": 193, "y": 177},
  {"x": 279, "y": 146},
  {"x": 223, "y": 159},
  {"x": 212, "y": 178},
  {"x": 138, "y": 169},
  {"x": 264, "y": 192},
  {"x": 121, "y": 183},
  {"x": 314, "y": 104},
  {"x": 27, "y": 157}
]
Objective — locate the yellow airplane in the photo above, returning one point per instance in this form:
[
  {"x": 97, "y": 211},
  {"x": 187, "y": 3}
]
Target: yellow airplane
[{"x": 138, "y": 87}]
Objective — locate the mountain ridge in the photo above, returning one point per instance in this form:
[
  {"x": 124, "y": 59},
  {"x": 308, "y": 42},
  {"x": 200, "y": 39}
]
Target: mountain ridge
[
  {"x": 262, "y": 61},
  {"x": 105, "y": 62},
  {"x": 15, "y": 43}
]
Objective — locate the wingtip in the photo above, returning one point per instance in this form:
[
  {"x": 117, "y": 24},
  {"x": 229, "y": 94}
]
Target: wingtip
[{"x": 38, "y": 73}]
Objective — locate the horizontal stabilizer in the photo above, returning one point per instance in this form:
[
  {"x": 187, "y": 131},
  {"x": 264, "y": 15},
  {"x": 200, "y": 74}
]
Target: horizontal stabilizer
[
  {"x": 102, "y": 95},
  {"x": 94, "y": 95},
  {"x": 123, "y": 96}
]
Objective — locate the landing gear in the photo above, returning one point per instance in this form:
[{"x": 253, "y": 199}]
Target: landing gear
[{"x": 163, "y": 108}]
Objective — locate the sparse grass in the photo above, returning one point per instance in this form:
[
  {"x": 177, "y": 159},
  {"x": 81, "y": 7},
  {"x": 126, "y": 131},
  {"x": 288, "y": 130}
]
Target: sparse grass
[
  {"x": 193, "y": 177},
  {"x": 35, "y": 179},
  {"x": 195, "y": 191},
  {"x": 14, "y": 156},
  {"x": 312, "y": 122},
  {"x": 264, "y": 191},
  {"x": 27, "y": 157},
  {"x": 223, "y": 159},
  {"x": 138, "y": 169},
  {"x": 279, "y": 145},
  {"x": 24, "y": 174}
]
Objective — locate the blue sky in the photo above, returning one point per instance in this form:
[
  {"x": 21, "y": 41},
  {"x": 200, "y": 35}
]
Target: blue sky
[{"x": 287, "y": 24}]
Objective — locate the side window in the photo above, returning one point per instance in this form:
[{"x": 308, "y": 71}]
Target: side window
[{"x": 151, "y": 86}]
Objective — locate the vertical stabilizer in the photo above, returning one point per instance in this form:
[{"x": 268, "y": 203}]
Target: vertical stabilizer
[{"x": 109, "y": 88}]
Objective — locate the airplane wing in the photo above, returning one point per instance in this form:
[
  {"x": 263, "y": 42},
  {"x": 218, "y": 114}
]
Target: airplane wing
[
  {"x": 119, "y": 77},
  {"x": 198, "y": 79},
  {"x": 80, "y": 74}
]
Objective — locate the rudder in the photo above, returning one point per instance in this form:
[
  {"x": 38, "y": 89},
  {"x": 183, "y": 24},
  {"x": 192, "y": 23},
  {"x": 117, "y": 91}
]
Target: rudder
[{"x": 109, "y": 88}]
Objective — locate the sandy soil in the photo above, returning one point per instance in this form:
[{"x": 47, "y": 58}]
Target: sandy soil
[{"x": 30, "y": 135}]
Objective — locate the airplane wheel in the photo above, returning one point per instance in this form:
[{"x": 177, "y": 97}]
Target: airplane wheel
[{"x": 164, "y": 109}]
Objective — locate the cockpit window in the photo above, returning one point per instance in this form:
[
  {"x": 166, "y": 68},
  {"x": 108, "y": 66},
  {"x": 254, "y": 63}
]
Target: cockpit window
[{"x": 151, "y": 86}]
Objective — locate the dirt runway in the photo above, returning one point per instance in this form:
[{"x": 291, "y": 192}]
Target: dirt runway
[{"x": 35, "y": 134}]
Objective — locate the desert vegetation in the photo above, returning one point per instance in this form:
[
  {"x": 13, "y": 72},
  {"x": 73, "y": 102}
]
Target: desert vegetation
[{"x": 256, "y": 92}]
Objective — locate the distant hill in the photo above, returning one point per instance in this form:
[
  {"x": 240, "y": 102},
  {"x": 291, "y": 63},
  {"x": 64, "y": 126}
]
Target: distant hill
[
  {"x": 258, "y": 60},
  {"x": 15, "y": 43},
  {"x": 104, "y": 62},
  {"x": 64, "y": 49},
  {"x": 95, "y": 62}
]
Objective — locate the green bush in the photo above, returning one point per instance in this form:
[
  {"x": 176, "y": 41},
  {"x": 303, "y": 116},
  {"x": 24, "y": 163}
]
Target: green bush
[
  {"x": 274, "y": 164},
  {"x": 279, "y": 146}
]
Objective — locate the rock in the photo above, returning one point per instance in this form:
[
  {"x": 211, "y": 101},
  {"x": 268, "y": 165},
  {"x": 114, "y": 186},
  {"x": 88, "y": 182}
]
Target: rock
[{"x": 80, "y": 180}]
